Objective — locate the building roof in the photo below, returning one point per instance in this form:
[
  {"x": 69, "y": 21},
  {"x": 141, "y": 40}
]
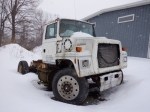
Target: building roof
[{"x": 126, "y": 6}]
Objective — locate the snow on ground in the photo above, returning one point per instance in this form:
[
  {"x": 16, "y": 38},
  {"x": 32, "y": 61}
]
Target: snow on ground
[{"x": 21, "y": 93}]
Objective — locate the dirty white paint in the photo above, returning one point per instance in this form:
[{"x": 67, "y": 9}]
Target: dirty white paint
[{"x": 56, "y": 49}]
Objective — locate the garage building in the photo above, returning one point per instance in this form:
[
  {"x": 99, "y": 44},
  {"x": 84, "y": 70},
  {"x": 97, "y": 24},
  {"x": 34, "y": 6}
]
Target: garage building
[{"x": 128, "y": 23}]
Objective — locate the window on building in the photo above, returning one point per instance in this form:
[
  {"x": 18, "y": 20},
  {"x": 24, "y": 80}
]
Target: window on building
[{"x": 126, "y": 18}]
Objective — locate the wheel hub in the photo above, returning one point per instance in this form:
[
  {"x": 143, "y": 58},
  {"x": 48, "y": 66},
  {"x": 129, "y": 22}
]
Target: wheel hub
[{"x": 68, "y": 87}]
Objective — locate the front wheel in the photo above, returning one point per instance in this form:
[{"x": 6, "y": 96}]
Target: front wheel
[
  {"x": 69, "y": 88},
  {"x": 121, "y": 77}
]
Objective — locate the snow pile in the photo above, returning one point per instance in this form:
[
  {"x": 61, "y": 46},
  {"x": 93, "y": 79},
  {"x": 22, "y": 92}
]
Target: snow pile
[
  {"x": 21, "y": 93},
  {"x": 11, "y": 54},
  {"x": 18, "y": 52},
  {"x": 38, "y": 50},
  {"x": 81, "y": 34}
]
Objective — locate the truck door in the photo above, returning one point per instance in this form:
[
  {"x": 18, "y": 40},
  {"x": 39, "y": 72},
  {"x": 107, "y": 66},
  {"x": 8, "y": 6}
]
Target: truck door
[{"x": 49, "y": 44}]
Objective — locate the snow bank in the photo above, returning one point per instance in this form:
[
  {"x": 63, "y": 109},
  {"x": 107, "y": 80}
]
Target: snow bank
[
  {"x": 11, "y": 54},
  {"x": 18, "y": 52},
  {"x": 80, "y": 34},
  {"x": 38, "y": 50}
]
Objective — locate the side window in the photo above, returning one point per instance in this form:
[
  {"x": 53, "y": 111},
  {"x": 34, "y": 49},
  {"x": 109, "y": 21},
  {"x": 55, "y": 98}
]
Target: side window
[{"x": 51, "y": 31}]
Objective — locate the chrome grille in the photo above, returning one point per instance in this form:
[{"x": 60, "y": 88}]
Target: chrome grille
[{"x": 108, "y": 55}]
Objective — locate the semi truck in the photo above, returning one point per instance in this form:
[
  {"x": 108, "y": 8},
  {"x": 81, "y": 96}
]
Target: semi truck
[{"x": 74, "y": 60}]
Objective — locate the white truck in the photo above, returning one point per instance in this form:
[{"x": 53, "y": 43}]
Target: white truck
[{"x": 70, "y": 66}]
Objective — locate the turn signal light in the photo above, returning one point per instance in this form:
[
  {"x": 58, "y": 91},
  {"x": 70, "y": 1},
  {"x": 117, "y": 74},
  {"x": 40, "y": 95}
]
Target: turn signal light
[
  {"x": 124, "y": 48},
  {"x": 78, "y": 49}
]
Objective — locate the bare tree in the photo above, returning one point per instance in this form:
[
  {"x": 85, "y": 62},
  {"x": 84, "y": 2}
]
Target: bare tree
[
  {"x": 30, "y": 31},
  {"x": 3, "y": 17},
  {"x": 40, "y": 19},
  {"x": 20, "y": 10},
  {"x": 22, "y": 22}
]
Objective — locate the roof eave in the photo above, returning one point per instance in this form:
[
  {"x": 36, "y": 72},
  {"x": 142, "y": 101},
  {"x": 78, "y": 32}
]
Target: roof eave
[{"x": 126, "y": 6}]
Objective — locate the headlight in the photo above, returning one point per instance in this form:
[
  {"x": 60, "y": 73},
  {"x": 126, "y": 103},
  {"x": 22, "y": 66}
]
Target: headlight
[
  {"x": 85, "y": 63},
  {"x": 125, "y": 59}
]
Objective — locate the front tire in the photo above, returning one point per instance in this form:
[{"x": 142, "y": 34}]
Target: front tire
[
  {"x": 122, "y": 77},
  {"x": 69, "y": 88}
]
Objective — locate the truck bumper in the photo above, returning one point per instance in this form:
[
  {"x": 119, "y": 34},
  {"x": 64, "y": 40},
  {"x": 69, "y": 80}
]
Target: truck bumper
[{"x": 111, "y": 80}]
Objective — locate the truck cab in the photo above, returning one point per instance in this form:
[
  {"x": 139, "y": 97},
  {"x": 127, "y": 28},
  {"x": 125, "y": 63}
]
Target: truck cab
[
  {"x": 58, "y": 31},
  {"x": 74, "y": 60},
  {"x": 98, "y": 54}
]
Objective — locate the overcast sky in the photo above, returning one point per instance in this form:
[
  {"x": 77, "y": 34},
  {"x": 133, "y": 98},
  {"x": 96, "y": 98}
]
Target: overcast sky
[{"x": 78, "y": 9}]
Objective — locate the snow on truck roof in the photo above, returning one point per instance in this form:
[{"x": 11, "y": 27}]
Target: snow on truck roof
[
  {"x": 126, "y": 6},
  {"x": 80, "y": 34}
]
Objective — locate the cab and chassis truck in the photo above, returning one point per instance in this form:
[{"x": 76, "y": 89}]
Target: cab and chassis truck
[{"x": 70, "y": 66}]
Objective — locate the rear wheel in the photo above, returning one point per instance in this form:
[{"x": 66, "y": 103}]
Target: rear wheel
[
  {"x": 23, "y": 67},
  {"x": 69, "y": 88}
]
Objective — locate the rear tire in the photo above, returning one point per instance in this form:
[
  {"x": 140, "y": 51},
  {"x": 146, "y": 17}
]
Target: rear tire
[
  {"x": 23, "y": 67},
  {"x": 69, "y": 88}
]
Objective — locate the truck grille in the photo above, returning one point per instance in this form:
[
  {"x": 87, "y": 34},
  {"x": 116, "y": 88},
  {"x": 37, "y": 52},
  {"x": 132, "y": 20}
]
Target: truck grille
[{"x": 108, "y": 55}]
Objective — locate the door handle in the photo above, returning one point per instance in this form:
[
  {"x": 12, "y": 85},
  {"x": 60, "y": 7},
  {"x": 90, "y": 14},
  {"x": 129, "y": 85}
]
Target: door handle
[{"x": 44, "y": 50}]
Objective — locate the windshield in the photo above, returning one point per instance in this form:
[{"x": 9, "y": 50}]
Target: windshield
[{"x": 68, "y": 27}]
